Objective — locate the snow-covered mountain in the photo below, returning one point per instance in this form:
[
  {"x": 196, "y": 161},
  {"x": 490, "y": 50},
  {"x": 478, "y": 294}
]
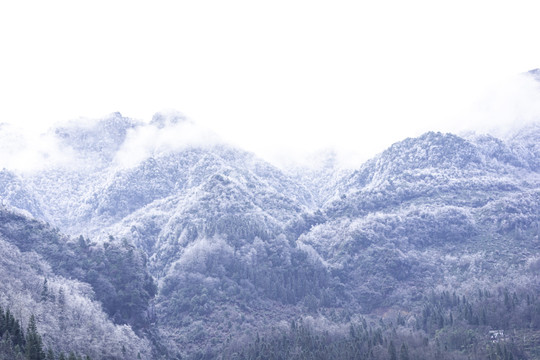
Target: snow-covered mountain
[
  {"x": 413, "y": 215},
  {"x": 237, "y": 245}
]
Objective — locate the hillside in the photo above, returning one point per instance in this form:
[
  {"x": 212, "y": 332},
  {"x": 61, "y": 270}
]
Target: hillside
[
  {"x": 68, "y": 316},
  {"x": 199, "y": 246},
  {"x": 436, "y": 210}
]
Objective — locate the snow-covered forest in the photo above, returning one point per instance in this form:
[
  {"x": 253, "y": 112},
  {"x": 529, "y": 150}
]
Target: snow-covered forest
[{"x": 122, "y": 239}]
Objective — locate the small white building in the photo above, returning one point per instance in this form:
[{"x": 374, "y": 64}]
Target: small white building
[{"x": 496, "y": 335}]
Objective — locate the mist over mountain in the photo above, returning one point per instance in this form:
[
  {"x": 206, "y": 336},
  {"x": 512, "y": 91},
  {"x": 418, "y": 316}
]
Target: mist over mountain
[{"x": 179, "y": 244}]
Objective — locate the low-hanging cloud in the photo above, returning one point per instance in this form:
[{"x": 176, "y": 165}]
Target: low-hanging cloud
[
  {"x": 167, "y": 132},
  {"x": 505, "y": 107},
  {"x": 65, "y": 145},
  {"x": 499, "y": 109},
  {"x": 26, "y": 151}
]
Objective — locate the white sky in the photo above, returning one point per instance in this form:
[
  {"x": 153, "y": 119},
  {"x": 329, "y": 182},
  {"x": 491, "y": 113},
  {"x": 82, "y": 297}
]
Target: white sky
[{"x": 271, "y": 76}]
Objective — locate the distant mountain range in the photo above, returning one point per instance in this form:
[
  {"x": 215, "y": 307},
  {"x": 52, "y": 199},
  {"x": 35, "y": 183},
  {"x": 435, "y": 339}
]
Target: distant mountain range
[{"x": 199, "y": 246}]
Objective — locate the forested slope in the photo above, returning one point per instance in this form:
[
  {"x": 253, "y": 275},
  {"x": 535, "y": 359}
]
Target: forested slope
[{"x": 206, "y": 251}]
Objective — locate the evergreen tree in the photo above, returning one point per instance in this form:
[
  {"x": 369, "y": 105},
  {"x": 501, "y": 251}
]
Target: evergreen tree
[
  {"x": 16, "y": 332},
  {"x": 44, "y": 291},
  {"x": 2, "y": 321},
  {"x": 6, "y": 347},
  {"x": 392, "y": 351},
  {"x": 50, "y": 354},
  {"x": 404, "y": 352},
  {"x": 34, "y": 347},
  {"x": 61, "y": 297}
]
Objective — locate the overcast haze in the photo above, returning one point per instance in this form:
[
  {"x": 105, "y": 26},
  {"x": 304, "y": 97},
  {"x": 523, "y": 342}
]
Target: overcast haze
[{"x": 278, "y": 77}]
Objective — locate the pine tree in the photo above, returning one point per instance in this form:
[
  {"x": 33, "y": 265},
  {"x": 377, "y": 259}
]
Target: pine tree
[
  {"x": 6, "y": 347},
  {"x": 2, "y": 321},
  {"x": 8, "y": 321},
  {"x": 404, "y": 352},
  {"x": 50, "y": 354},
  {"x": 34, "y": 348},
  {"x": 61, "y": 297},
  {"x": 18, "y": 352},
  {"x": 392, "y": 351},
  {"x": 44, "y": 291},
  {"x": 16, "y": 332}
]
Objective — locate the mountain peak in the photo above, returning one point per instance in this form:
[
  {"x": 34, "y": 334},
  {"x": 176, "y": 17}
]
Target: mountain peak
[
  {"x": 423, "y": 154},
  {"x": 432, "y": 149},
  {"x": 102, "y": 136}
]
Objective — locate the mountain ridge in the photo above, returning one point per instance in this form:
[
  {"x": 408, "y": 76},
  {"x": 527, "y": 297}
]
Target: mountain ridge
[{"x": 236, "y": 245}]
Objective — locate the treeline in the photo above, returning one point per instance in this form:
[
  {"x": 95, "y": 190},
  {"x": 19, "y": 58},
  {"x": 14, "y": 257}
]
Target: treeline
[
  {"x": 499, "y": 325},
  {"x": 500, "y": 309},
  {"x": 15, "y": 344},
  {"x": 361, "y": 341}
]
